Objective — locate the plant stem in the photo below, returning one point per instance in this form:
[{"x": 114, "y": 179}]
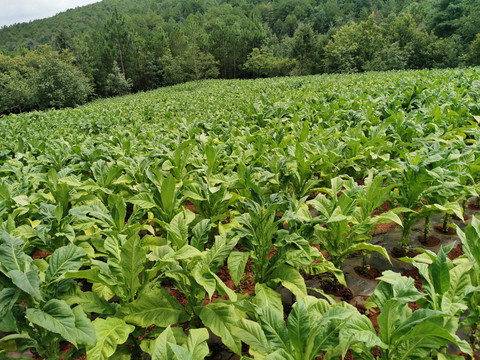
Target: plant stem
[
  {"x": 364, "y": 261},
  {"x": 406, "y": 231},
  {"x": 472, "y": 339},
  {"x": 426, "y": 228},
  {"x": 445, "y": 223}
]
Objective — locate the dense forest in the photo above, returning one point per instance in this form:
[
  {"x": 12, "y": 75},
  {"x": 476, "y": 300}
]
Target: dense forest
[{"x": 119, "y": 46}]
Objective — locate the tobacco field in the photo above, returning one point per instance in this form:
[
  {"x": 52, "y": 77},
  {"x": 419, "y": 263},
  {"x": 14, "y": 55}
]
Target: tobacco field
[{"x": 214, "y": 220}]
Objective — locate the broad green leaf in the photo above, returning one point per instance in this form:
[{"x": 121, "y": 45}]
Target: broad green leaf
[
  {"x": 8, "y": 297},
  {"x": 66, "y": 258},
  {"x": 167, "y": 193},
  {"x": 132, "y": 259},
  {"x": 275, "y": 329},
  {"x": 440, "y": 273},
  {"x": 161, "y": 350},
  {"x": 200, "y": 234},
  {"x": 290, "y": 278},
  {"x": 89, "y": 301},
  {"x": 236, "y": 265},
  {"x": 109, "y": 333},
  {"x": 178, "y": 230},
  {"x": 55, "y": 316},
  {"x": 12, "y": 256},
  {"x": 251, "y": 333},
  {"x": 197, "y": 343},
  {"x": 266, "y": 297},
  {"x": 84, "y": 332},
  {"x": 143, "y": 200},
  {"x": 298, "y": 327},
  {"x": 217, "y": 317},
  {"x": 154, "y": 307},
  {"x": 179, "y": 352},
  {"x": 29, "y": 282}
]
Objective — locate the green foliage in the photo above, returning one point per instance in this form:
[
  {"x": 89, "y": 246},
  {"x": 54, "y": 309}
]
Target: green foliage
[
  {"x": 51, "y": 319},
  {"x": 473, "y": 56},
  {"x": 410, "y": 335},
  {"x": 313, "y": 327},
  {"x": 116, "y": 83},
  {"x": 262, "y": 63},
  {"x": 150, "y": 213},
  {"x": 41, "y": 79},
  {"x": 157, "y": 44}
]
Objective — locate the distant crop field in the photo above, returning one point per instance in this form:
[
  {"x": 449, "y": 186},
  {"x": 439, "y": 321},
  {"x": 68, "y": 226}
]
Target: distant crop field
[{"x": 137, "y": 227}]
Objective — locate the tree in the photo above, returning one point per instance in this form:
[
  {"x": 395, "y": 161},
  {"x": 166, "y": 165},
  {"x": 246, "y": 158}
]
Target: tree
[
  {"x": 354, "y": 47},
  {"x": 473, "y": 57},
  {"x": 41, "y": 79},
  {"x": 262, "y": 63},
  {"x": 303, "y": 43},
  {"x": 116, "y": 82},
  {"x": 444, "y": 15}
]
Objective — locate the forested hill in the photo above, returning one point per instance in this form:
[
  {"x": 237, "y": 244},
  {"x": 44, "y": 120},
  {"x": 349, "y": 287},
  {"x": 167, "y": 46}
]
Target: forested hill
[
  {"x": 133, "y": 45},
  {"x": 73, "y": 21}
]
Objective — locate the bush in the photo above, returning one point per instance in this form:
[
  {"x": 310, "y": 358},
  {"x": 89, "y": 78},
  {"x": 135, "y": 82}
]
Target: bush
[
  {"x": 473, "y": 56},
  {"x": 262, "y": 63},
  {"x": 41, "y": 79}
]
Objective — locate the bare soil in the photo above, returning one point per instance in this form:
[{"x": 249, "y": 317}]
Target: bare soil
[{"x": 432, "y": 241}]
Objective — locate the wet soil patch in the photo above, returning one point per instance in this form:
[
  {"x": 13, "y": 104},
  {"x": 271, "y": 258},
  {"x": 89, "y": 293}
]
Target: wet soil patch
[
  {"x": 473, "y": 206},
  {"x": 456, "y": 252},
  {"x": 40, "y": 254},
  {"x": 465, "y": 217},
  {"x": 337, "y": 290},
  {"x": 398, "y": 253},
  {"x": 415, "y": 275},
  {"x": 370, "y": 273},
  {"x": 439, "y": 228},
  {"x": 431, "y": 241}
]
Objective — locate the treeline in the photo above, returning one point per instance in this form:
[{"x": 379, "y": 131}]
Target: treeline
[{"x": 145, "y": 44}]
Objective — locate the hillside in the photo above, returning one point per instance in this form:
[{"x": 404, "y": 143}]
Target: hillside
[
  {"x": 124, "y": 46},
  {"x": 73, "y": 21}
]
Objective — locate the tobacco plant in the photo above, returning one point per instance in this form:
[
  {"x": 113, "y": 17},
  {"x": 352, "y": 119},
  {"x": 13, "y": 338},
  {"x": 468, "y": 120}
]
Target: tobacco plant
[{"x": 30, "y": 300}]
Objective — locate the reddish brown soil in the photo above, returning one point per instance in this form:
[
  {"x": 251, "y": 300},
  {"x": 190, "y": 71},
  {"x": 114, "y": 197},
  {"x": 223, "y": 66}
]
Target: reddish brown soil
[
  {"x": 182, "y": 299},
  {"x": 473, "y": 206},
  {"x": 413, "y": 306},
  {"x": 189, "y": 206},
  {"x": 85, "y": 285},
  {"x": 468, "y": 357},
  {"x": 456, "y": 252},
  {"x": 65, "y": 347},
  {"x": 40, "y": 254},
  {"x": 337, "y": 290},
  {"x": 246, "y": 285},
  {"x": 371, "y": 273},
  {"x": 382, "y": 209},
  {"x": 399, "y": 253},
  {"x": 224, "y": 275},
  {"x": 431, "y": 241},
  {"x": 450, "y": 230},
  {"x": 414, "y": 274},
  {"x": 373, "y": 315},
  {"x": 324, "y": 253},
  {"x": 147, "y": 331},
  {"x": 383, "y": 228},
  {"x": 465, "y": 217},
  {"x": 313, "y": 195},
  {"x": 274, "y": 250}
]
